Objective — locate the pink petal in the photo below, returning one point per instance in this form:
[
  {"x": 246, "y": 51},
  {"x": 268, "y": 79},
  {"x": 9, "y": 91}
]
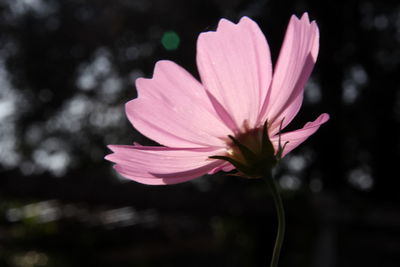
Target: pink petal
[
  {"x": 293, "y": 68},
  {"x": 297, "y": 137},
  {"x": 174, "y": 110},
  {"x": 226, "y": 167},
  {"x": 235, "y": 67},
  {"x": 163, "y": 165}
]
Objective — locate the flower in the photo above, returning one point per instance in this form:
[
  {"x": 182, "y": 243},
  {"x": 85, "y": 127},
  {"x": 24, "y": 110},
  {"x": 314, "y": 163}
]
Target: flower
[{"x": 239, "y": 106}]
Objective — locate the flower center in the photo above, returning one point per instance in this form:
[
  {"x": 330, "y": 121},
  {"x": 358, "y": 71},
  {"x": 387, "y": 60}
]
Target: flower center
[
  {"x": 251, "y": 152},
  {"x": 252, "y": 139}
]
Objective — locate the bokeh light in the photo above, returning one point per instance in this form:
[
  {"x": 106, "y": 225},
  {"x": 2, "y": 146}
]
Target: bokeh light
[{"x": 170, "y": 40}]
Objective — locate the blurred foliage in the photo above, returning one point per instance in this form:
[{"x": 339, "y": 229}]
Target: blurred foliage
[{"x": 68, "y": 67}]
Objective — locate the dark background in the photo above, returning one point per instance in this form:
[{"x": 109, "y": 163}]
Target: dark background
[{"x": 66, "y": 69}]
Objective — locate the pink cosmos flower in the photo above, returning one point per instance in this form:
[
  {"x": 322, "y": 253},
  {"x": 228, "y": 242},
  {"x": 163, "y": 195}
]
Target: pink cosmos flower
[{"x": 237, "y": 96}]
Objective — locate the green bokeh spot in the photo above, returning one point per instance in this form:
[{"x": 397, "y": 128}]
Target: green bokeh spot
[{"x": 170, "y": 40}]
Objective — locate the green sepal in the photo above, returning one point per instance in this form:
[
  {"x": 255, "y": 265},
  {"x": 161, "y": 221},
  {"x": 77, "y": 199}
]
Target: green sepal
[
  {"x": 248, "y": 155},
  {"x": 267, "y": 149},
  {"x": 280, "y": 147},
  {"x": 239, "y": 166}
]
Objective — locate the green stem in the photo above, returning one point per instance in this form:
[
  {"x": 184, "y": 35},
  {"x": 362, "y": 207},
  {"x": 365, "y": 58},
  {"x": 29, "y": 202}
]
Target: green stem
[{"x": 281, "y": 219}]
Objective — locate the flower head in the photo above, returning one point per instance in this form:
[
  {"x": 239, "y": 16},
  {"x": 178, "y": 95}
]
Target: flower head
[{"x": 233, "y": 118}]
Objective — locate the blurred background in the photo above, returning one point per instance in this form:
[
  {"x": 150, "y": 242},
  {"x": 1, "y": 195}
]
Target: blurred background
[{"x": 67, "y": 67}]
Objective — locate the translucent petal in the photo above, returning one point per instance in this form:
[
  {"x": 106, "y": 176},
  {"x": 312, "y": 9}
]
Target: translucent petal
[
  {"x": 295, "y": 138},
  {"x": 295, "y": 62},
  {"x": 174, "y": 110},
  {"x": 235, "y": 67},
  {"x": 162, "y": 165}
]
